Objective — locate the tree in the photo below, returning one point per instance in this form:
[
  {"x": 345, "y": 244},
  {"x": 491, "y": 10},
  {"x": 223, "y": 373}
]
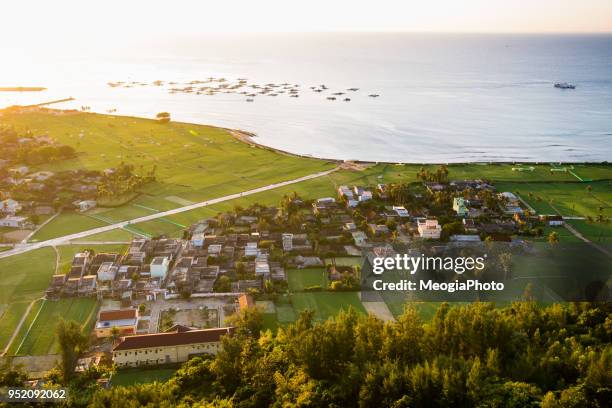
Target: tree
[
  {"x": 163, "y": 117},
  {"x": 553, "y": 238},
  {"x": 72, "y": 343}
]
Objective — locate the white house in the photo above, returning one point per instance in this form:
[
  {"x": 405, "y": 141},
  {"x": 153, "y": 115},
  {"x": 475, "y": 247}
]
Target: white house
[
  {"x": 262, "y": 267},
  {"x": 159, "y": 267},
  {"x": 85, "y": 205},
  {"x": 10, "y": 206},
  {"x": 21, "y": 170},
  {"x": 107, "y": 271},
  {"x": 401, "y": 211},
  {"x": 251, "y": 249},
  {"x": 13, "y": 221},
  {"x": 429, "y": 228},
  {"x": 197, "y": 240},
  {"x": 510, "y": 197},
  {"x": 359, "y": 237},
  {"x": 287, "y": 242},
  {"x": 345, "y": 191}
]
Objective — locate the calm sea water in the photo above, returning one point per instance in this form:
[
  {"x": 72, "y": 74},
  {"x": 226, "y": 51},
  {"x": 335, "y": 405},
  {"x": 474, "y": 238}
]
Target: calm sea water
[{"x": 443, "y": 98}]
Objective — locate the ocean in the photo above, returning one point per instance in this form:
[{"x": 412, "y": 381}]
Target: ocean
[{"x": 443, "y": 97}]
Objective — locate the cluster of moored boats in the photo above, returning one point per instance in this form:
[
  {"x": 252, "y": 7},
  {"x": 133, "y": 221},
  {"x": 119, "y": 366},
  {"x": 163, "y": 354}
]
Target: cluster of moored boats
[{"x": 240, "y": 86}]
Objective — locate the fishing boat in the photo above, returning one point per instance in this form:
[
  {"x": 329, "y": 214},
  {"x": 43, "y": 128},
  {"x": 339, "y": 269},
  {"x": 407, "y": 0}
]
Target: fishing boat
[
  {"x": 373, "y": 95},
  {"x": 564, "y": 85}
]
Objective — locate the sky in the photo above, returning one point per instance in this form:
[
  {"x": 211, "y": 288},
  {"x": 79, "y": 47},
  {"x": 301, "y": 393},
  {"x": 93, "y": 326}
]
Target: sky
[
  {"x": 29, "y": 26},
  {"x": 138, "y": 17}
]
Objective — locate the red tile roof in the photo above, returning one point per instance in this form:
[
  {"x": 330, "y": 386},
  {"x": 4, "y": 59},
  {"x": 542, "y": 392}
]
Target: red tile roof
[
  {"x": 172, "y": 339},
  {"x": 118, "y": 314}
]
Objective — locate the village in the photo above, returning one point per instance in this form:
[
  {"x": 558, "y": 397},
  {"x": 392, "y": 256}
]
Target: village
[{"x": 164, "y": 300}]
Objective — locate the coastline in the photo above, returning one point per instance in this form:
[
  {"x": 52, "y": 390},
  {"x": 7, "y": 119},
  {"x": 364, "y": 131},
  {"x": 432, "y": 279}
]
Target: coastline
[{"x": 247, "y": 137}]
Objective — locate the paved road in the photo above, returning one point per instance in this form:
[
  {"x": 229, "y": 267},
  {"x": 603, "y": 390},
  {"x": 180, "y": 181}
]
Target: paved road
[{"x": 22, "y": 248}]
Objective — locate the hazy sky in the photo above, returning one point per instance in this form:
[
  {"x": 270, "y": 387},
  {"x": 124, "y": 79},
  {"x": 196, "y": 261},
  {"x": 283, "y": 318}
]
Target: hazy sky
[{"x": 111, "y": 18}]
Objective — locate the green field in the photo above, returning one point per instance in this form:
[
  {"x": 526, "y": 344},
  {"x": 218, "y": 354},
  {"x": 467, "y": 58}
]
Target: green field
[
  {"x": 193, "y": 162},
  {"x": 37, "y": 336},
  {"x": 133, "y": 376},
  {"x": 300, "y": 279},
  {"x": 570, "y": 200},
  {"x": 65, "y": 224},
  {"x": 25, "y": 277}
]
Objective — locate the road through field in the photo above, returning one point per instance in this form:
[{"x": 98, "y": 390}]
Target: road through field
[{"x": 22, "y": 248}]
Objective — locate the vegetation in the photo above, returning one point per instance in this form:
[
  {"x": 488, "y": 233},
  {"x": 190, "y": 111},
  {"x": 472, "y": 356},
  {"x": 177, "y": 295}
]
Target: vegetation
[{"x": 476, "y": 355}]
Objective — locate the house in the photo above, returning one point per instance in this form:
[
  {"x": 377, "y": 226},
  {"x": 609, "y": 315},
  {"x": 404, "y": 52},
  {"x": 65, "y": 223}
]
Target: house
[
  {"x": 459, "y": 206},
  {"x": 197, "y": 239},
  {"x": 346, "y": 192},
  {"x": 80, "y": 264},
  {"x": 429, "y": 228},
  {"x": 168, "y": 348},
  {"x": 160, "y": 266},
  {"x": 552, "y": 220},
  {"x": 360, "y": 238},
  {"x": 13, "y": 221},
  {"x": 262, "y": 267},
  {"x": 509, "y": 197},
  {"x": 287, "y": 242},
  {"x": 10, "y": 206},
  {"x": 125, "y": 320},
  {"x": 245, "y": 301},
  {"x": 107, "y": 271},
  {"x": 85, "y": 205},
  {"x": 19, "y": 171},
  {"x": 42, "y": 175},
  {"x": 378, "y": 229},
  {"x": 469, "y": 225},
  {"x": 401, "y": 211},
  {"x": 251, "y": 249},
  {"x": 87, "y": 285},
  {"x": 465, "y": 239}
]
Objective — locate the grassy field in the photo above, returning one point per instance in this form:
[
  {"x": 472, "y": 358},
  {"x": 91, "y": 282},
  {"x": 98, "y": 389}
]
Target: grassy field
[
  {"x": 300, "y": 279},
  {"x": 37, "y": 336},
  {"x": 193, "y": 162},
  {"x": 133, "y": 376},
  {"x": 65, "y": 224},
  {"x": 25, "y": 277}
]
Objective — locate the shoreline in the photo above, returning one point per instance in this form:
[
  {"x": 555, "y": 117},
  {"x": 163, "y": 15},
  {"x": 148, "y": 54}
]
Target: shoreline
[{"x": 246, "y": 136}]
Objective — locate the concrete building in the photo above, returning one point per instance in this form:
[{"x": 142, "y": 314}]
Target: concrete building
[
  {"x": 13, "y": 221},
  {"x": 177, "y": 346},
  {"x": 459, "y": 206},
  {"x": 159, "y": 267},
  {"x": 107, "y": 271},
  {"x": 125, "y": 320},
  {"x": 10, "y": 206},
  {"x": 287, "y": 242},
  {"x": 429, "y": 228}
]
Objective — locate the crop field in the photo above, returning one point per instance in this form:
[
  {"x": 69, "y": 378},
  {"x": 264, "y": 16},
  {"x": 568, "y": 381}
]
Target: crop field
[
  {"x": 300, "y": 279},
  {"x": 38, "y": 337}
]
